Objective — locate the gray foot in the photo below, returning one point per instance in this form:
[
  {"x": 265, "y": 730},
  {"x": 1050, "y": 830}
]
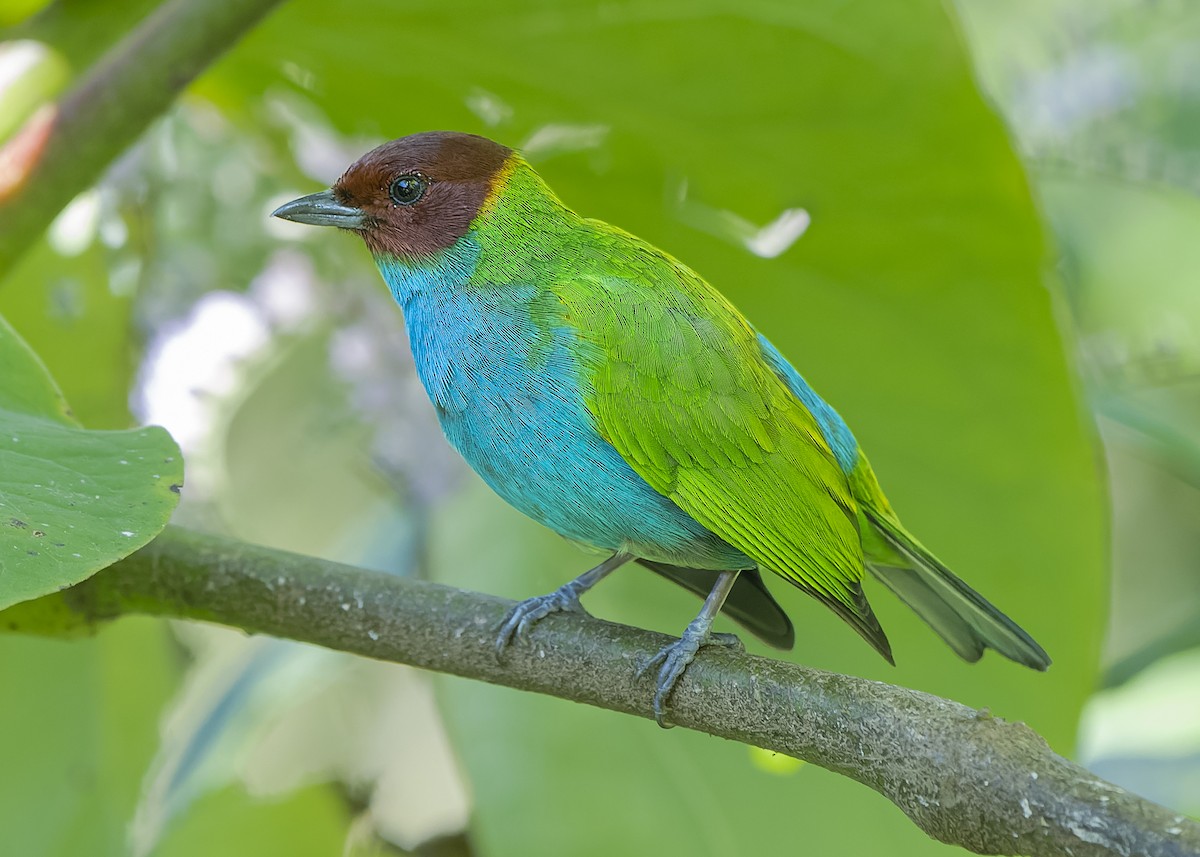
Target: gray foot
[
  {"x": 529, "y": 612},
  {"x": 674, "y": 659},
  {"x": 565, "y": 599}
]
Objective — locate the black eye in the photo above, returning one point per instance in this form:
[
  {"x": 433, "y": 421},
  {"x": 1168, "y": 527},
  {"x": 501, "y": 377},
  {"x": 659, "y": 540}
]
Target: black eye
[{"x": 408, "y": 189}]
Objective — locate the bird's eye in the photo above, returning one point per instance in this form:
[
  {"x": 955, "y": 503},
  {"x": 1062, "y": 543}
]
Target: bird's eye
[{"x": 408, "y": 189}]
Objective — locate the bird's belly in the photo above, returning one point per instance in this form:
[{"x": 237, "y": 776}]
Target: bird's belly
[{"x": 542, "y": 455}]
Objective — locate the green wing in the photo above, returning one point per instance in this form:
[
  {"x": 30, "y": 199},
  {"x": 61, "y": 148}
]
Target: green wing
[{"x": 681, "y": 390}]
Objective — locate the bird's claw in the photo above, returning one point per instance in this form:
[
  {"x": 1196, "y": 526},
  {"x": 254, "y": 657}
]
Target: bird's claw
[
  {"x": 726, "y": 641},
  {"x": 674, "y": 659},
  {"x": 529, "y": 612}
]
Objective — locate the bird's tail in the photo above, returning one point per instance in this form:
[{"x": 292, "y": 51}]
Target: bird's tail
[{"x": 966, "y": 620}]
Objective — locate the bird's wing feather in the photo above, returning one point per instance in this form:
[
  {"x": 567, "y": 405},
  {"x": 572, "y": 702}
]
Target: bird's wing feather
[{"x": 680, "y": 388}]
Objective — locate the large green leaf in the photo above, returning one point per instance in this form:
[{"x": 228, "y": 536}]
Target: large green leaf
[
  {"x": 309, "y": 823},
  {"x": 82, "y": 726},
  {"x": 67, "y": 312},
  {"x": 78, "y": 728},
  {"x": 916, "y": 302},
  {"x": 71, "y": 501}
]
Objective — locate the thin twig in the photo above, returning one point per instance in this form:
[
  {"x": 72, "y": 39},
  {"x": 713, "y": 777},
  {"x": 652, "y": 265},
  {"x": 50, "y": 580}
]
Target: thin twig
[
  {"x": 961, "y": 775},
  {"x": 63, "y": 149}
]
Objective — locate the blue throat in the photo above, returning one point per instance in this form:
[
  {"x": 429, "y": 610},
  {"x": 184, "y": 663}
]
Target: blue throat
[{"x": 447, "y": 271}]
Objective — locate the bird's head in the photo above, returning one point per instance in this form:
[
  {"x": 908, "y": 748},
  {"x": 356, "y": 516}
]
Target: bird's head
[{"x": 412, "y": 197}]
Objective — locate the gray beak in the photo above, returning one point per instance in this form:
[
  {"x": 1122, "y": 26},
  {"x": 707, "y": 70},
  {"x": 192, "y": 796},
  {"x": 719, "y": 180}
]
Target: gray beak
[{"x": 321, "y": 209}]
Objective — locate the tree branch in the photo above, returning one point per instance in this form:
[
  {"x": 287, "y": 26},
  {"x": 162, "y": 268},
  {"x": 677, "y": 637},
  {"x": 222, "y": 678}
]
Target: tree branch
[
  {"x": 64, "y": 148},
  {"x": 963, "y": 776}
]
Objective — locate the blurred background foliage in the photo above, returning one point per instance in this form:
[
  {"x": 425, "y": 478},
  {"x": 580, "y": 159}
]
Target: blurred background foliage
[{"x": 967, "y": 225}]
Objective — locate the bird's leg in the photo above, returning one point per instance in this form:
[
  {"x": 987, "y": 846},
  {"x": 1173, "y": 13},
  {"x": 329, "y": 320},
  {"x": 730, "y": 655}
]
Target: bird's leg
[
  {"x": 674, "y": 659},
  {"x": 565, "y": 599}
]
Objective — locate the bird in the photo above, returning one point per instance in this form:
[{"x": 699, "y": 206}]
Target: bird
[{"x": 608, "y": 391}]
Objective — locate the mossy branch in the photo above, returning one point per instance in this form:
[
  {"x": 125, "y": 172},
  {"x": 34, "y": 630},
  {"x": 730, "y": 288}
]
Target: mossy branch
[
  {"x": 963, "y": 776},
  {"x": 64, "y": 148}
]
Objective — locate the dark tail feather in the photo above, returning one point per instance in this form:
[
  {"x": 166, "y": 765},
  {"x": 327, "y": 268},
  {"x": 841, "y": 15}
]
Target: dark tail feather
[
  {"x": 860, "y": 617},
  {"x": 966, "y": 620},
  {"x": 749, "y": 604}
]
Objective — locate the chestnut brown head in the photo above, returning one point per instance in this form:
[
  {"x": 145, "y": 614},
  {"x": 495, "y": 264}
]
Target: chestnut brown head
[{"x": 411, "y": 197}]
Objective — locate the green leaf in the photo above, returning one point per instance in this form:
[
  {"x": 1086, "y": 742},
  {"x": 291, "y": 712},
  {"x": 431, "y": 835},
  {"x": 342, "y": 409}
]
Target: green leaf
[
  {"x": 71, "y": 501},
  {"x": 69, "y": 312},
  {"x": 78, "y": 728},
  {"x": 310, "y": 821}
]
